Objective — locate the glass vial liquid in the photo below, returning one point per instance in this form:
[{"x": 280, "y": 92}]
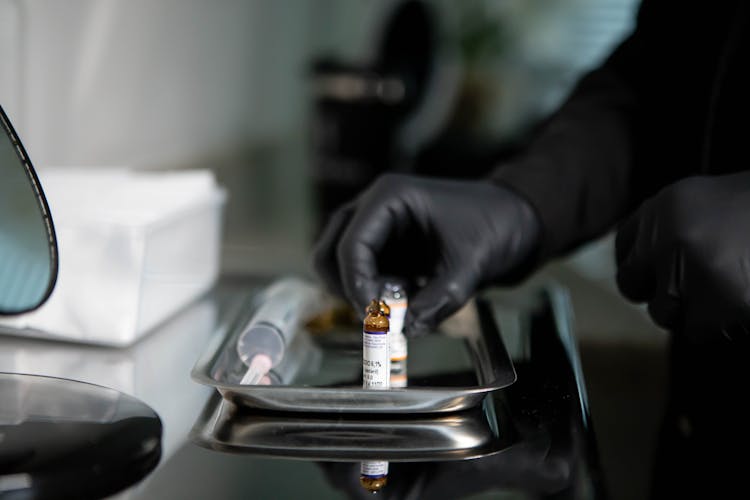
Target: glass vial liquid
[
  {"x": 395, "y": 296},
  {"x": 373, "y": 475},
  {"x": 375, "y": 356}
]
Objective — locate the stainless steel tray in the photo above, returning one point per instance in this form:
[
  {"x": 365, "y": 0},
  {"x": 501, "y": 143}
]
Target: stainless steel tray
[
  {"x": 321, "y": 372},
  {"x": 463, "y": 435}
]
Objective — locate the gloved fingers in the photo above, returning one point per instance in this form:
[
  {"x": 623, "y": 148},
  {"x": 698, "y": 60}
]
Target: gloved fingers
[
  {"x": 436, "y": 300},
  {"x": 736, "y": 332},
  {"x": 627, "y": 233},
  {"x": 665, "y": 306},
  {"x": 325, "y": 261},
  {"x": 718, "y": 317},
  {"x": 701, "y": 331},
  {"x": 634, "y": 246},
  {"x": 377, "y": 218}
]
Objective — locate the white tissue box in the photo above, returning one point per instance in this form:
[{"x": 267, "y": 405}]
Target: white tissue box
[{"x": 135, "y": 247}]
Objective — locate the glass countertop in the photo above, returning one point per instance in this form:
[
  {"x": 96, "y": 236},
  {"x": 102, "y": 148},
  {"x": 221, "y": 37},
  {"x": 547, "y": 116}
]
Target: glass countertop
[{"x": 550, "y": 448}]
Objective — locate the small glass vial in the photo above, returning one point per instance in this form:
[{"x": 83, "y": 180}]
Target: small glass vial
[
  {"x": 375, "y": 352},
  {"x": 393, "y": 294},
  {"x": 373, "y": 475}
]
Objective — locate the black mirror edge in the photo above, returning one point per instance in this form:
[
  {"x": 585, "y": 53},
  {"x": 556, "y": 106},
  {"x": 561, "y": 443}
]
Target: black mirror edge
[{"x": 43, "y": 207}]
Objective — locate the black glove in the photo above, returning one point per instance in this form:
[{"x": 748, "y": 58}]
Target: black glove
[
  {"x": 454, "y": 235},
  {"x": 686, "y": 252}
]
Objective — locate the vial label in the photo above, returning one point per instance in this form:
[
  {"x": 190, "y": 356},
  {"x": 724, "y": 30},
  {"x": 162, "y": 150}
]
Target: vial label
[
  {"x": 375, "y": 360},
  {"x": 374, "y": 469},
  {"x": 398, "y": 345},
  {"x": 398, "y": 313}
]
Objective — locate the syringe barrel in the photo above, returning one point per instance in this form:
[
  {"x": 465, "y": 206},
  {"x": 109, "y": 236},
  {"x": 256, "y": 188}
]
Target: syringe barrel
[{"x": 272, "y": 327}]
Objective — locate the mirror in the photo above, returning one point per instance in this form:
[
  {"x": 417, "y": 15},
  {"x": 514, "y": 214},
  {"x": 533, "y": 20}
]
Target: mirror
[{"x": 28, "y": 249}]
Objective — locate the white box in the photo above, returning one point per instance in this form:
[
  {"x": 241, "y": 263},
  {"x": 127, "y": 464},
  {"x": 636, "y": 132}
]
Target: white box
[{"x": 135, "y": 247}]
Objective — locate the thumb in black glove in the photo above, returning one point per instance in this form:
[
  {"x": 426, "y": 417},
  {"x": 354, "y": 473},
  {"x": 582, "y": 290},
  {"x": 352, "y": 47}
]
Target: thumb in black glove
[
  {"x": 686, "y": 252},
  {"x": 456, "y": 235}
]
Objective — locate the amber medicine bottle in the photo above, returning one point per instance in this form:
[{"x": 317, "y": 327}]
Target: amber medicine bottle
[{"x": 375, "y": 355}]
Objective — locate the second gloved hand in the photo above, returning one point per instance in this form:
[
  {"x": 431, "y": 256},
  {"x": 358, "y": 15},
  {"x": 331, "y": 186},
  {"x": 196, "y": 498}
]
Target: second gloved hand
[
  {"x": 455, "y": 235},
  {"x": 686, "y": 252}
]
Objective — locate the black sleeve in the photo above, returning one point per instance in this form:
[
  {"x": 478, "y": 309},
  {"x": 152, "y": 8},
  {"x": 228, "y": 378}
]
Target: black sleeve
[{"x": 580, "y": 172}]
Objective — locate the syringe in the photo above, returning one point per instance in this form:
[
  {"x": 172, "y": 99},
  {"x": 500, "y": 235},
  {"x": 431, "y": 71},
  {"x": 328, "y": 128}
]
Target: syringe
[{"x": 287, "y": 303}]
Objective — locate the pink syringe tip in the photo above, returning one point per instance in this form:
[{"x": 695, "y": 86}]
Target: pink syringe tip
[{"x": 259, "y": 366}]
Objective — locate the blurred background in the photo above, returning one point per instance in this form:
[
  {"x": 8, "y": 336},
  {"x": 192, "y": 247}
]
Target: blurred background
[
  {"x": 231, "y": 85},
  {"x": 295, "y": 105}
]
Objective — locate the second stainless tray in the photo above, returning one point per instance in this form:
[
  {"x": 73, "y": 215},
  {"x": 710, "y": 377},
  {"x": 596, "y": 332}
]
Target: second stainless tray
[
  {"x": 469, "y": 434},
  {"x": 449, "y": 370}
]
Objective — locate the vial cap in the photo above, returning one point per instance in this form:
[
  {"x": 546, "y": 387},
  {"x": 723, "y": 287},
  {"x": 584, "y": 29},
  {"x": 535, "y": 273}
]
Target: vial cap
[{"x": 373, "y": 307}]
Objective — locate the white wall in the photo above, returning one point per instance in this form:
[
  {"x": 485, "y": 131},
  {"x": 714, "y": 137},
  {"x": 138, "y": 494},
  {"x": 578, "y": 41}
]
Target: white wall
[
  {"x": 163, "y": 82},
  {"x": 149, "y": 83}
]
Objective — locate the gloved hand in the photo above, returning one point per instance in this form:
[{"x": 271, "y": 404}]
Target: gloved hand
[
  {"x": 455, "y": 235},
  {"x": 686, "y": 252}
]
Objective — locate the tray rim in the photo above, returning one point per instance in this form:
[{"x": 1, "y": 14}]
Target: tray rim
[{"x": 380, "y": 401}]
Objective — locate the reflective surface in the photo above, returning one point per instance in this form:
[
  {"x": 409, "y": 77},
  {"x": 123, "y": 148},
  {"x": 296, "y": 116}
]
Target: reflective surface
[
  {"x": 65, "y": 439},
  {"x": 28, "y": 253},
  {"x": 155, "y": 370},
  {"x": 531, "y": 439},
  {"x": 552, "y": 452}
]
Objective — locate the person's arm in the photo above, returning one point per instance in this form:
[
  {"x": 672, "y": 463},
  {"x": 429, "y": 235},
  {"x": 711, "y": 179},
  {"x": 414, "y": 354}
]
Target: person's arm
[{"x": 583, "y": 171}]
